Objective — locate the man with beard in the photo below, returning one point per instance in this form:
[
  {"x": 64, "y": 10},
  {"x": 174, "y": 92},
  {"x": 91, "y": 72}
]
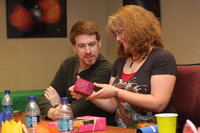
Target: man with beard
[{"x": 88, "y": 64}]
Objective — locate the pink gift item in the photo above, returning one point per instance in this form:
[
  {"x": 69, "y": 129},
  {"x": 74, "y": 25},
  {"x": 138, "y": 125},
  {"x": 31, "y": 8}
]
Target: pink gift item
[
  {"x": 83, "y": 87},
  {"x": 91, "y": 123}
]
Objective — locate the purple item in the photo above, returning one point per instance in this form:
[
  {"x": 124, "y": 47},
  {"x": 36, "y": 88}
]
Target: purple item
[
  {"x": 5, "y": 115},
  {"x": 83, "y": 87}
]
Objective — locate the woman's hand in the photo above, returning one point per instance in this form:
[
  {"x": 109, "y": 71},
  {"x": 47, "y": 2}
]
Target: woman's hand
[
  {"x": 106, "y": 92},
  {"x": 52, "y": 95}
]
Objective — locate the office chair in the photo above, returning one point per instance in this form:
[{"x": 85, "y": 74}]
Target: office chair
[{"x": 187, "y": 94}]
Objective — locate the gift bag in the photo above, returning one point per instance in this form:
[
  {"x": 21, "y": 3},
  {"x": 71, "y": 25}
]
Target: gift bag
[{"x": 189, "y": 127}]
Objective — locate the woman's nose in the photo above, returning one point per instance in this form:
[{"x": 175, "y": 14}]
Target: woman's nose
[{"x": 118, "y": 38}]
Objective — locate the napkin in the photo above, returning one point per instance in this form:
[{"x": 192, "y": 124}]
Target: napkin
[
  {"x": 11, "y": 127},
  {"x": 43, "y": 127}
]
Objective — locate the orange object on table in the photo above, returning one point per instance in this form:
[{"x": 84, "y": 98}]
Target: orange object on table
[
  {"x": 145, "y": 122},
  {"x": 46, "y": 128},
  {"x": 78, "y": 123}
]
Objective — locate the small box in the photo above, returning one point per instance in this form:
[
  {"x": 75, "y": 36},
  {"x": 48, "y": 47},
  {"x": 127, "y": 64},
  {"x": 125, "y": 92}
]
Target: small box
[
  {"x": 89, "y": 124},
  {"x": 83, "y": 87}
]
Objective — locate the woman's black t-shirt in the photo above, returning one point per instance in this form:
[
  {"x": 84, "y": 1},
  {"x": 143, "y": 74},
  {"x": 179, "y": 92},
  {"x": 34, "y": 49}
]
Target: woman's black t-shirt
[{"x": 158, "y": 62}]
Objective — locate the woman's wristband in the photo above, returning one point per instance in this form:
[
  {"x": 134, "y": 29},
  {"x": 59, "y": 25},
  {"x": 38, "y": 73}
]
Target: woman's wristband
[{"x": 116, "y": 92}]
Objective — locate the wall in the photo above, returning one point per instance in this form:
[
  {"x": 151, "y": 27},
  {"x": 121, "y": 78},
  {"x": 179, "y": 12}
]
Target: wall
[
  {"x": 112, "y": 44},
  {"x": 27, "y": 64},
  {"x": 181, "y": 29}
]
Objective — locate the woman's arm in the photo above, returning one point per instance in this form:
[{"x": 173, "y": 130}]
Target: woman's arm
[
  {"x": 110, "y": 100},
  {"x": 161, "y": 91},
  {"x": 162, "y": 87}
]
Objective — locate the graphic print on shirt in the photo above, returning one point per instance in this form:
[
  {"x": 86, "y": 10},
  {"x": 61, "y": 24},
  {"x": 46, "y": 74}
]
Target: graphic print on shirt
[{"x": 127, "y": 115}]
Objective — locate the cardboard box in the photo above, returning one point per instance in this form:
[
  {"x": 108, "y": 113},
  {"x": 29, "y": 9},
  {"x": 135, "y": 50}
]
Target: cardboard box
[{"x": 89, "y": 124}]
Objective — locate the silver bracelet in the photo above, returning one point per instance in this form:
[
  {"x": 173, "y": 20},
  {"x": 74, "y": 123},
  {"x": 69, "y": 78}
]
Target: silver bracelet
[{"x": 116, "y": 93}]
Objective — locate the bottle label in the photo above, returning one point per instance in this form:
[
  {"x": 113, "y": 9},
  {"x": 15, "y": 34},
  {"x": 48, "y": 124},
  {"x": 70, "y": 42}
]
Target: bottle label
[
  {"x": 8, "y": 108},
  {"x": 65, "y": 124},
  {"x": 32, "y": 120}
]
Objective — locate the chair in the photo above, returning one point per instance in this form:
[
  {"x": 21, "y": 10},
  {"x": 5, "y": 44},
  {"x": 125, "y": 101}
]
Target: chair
[{"x": 187, "y": 94}]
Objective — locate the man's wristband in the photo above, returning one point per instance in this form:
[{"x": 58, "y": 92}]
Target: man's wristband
[
  {"x": 116, "y": 93},
  {"x": 55, "y": 105}
]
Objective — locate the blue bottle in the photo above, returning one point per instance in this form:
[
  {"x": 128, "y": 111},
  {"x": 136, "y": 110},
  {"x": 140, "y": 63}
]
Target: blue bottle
[
  {"x": 32, "y": 114},
  {"x": 7, "y": 102},
  {"x": 65, "y": 121}
]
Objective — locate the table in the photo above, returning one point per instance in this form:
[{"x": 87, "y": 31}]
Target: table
[
  {"x": 20, "y": 98},
  {"x": 109, "y": 129}
]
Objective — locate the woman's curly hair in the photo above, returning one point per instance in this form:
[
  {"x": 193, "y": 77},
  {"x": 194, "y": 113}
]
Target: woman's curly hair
[{"x": 141, "y": 29}]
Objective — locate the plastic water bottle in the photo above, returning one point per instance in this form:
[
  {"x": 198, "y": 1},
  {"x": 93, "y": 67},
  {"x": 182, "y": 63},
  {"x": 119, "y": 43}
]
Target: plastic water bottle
[
  {"x": 32, "y": 114},
  {"x": 65, "y": 121},
  {"x": 7, "y": 102}
]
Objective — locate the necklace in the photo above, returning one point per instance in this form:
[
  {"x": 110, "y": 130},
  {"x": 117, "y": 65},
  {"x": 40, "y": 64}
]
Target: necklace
[{"x": 132, "y": 62}]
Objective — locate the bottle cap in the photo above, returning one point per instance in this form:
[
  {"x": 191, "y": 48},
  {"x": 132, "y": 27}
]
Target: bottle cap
[
  {"x": 31, "y": 98},
  {"x": 64, "y": 100},
  {"x": 7, "y": 91}
]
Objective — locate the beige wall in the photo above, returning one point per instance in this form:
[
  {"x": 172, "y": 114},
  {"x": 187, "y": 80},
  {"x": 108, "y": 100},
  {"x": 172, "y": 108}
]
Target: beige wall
[
  {"x": 181, "y": 29},
  {"x": 27, "y": 64}
]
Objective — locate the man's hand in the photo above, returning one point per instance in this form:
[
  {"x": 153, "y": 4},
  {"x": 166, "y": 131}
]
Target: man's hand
[
  {"x": 73, "y": 93},
  {"x": 52, "y": 95},
  {"x": 54, "y": 113}
]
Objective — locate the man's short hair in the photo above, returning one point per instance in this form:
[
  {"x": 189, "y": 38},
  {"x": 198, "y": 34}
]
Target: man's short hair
[{"x": 84, "y": 27}]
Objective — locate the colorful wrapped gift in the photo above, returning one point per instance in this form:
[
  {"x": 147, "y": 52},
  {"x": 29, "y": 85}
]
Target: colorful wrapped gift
[
  {"x": 83, "y": 87},
  {"x": 89, "y": 124}
]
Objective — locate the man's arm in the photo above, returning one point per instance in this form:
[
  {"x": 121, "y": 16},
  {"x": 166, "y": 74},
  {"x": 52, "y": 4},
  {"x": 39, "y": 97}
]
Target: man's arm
[
  {"x": 44, "y": 106},
  {"x": 83, "y": 107},
  {"x": 52, "y": 95},
  {"x": 58, "y": 83},
  {"x": 100, "y": 74}
]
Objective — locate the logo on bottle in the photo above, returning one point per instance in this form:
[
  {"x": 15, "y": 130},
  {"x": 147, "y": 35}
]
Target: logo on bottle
[
  {"x": 32, "y": 120},
  {"x": 8, "y": 108},
  {"x": 65, "y": 124}
]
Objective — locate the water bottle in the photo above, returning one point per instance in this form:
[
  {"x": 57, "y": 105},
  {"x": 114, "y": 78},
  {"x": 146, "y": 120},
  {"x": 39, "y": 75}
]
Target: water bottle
[
  {"x": 65, "y": 121},
  {"x": 7, "y": 102},
  {"x": 32, "y": 114}
]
